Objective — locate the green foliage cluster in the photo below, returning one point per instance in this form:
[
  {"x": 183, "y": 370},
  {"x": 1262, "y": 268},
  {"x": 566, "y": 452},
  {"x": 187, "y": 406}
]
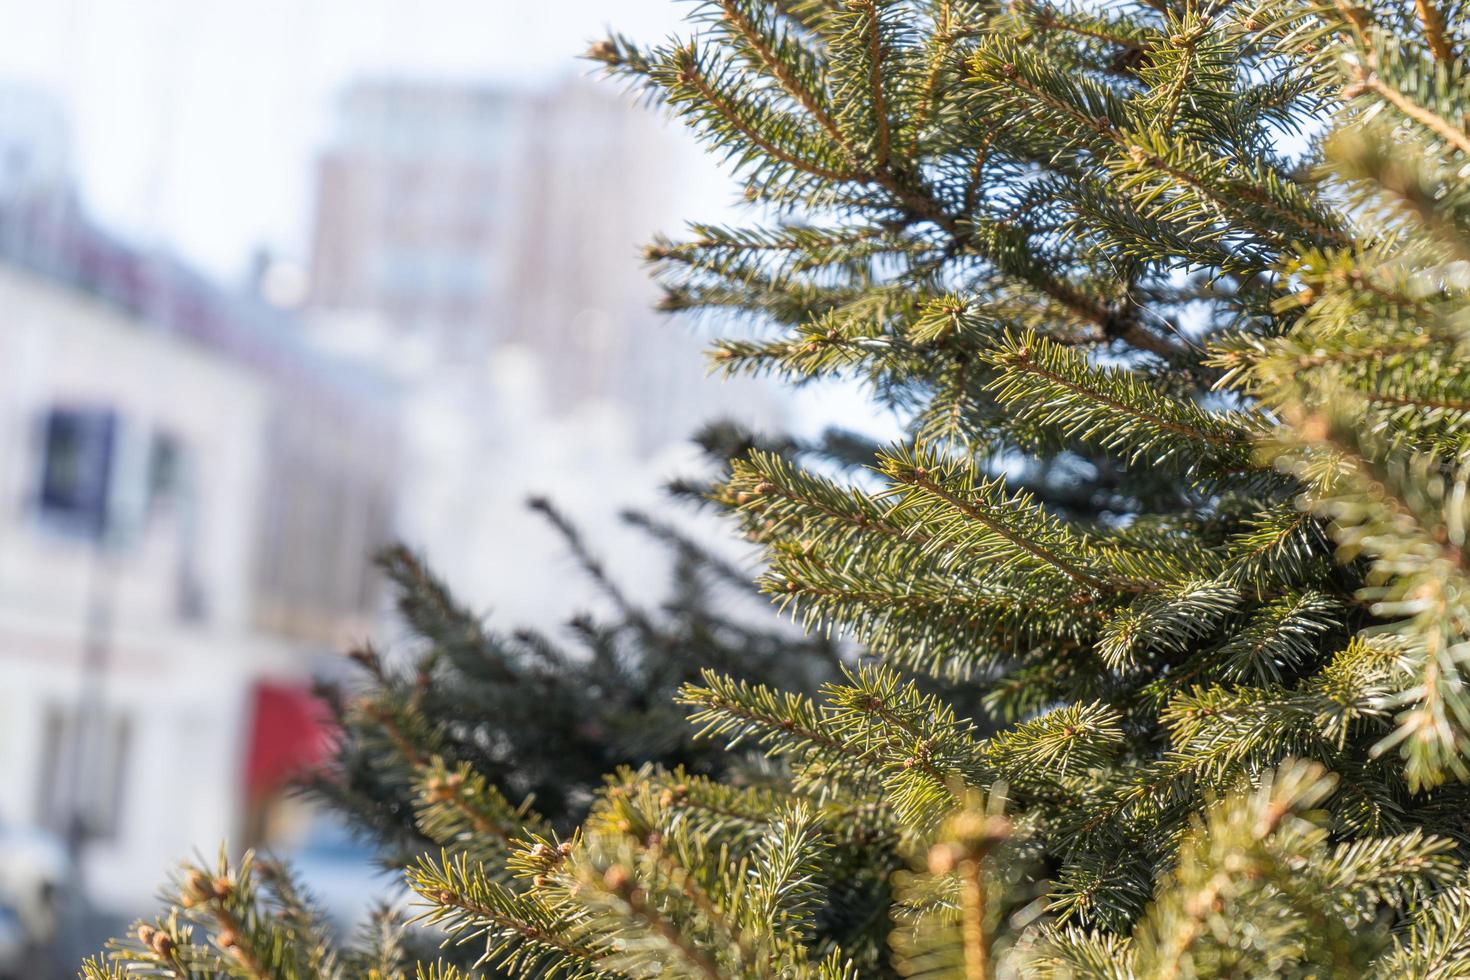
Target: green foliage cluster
[
  {"x": 535, "y": 719},
  {"x": 1165, "y": 595}
]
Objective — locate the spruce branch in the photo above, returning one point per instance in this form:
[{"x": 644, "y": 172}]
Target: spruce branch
[
  {"x": 1369, "y": 79},
  {"x": 974, "y": 514},
  {"x": 876, "y": 73},
  {"x": 690, "y": 73},
  {"x": 781, "y": 59},
  {"x": 1049, "y": 385},
  {"x": 521, "y": 931},
  {"x": 1412, "y": 532},
  {"x": 948, "y": 913},
  {"x": 1435, "y": 34}
]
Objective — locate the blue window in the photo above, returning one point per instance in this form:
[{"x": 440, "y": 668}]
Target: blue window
[{"x": 77, "y": 450}]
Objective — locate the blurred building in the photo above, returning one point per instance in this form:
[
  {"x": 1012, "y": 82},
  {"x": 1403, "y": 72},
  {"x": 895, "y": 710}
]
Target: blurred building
[
  {"x": 411, "y": 224},
  {"x": 485, "y": 245},
  {"x": 188, "y": 500},
  {"x": 464, "y": 219}
]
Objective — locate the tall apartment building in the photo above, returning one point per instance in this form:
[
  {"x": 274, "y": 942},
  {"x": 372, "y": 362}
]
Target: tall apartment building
[
  {"x": 487, "y": 244},
  {"x": 411, "y": 223},
  {"x": 462, "y": 219}
]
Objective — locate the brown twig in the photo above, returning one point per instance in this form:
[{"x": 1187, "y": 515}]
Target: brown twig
[{"x": 1434, "y": 31}]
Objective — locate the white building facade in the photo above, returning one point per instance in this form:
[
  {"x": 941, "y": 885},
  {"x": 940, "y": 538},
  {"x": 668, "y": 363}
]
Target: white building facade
[{"x": 174, "y": 469}]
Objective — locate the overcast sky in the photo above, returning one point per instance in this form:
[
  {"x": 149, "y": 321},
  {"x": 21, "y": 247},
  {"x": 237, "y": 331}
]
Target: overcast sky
[{"x": 195, "y": 122}]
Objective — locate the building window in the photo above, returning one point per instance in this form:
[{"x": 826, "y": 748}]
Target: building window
[
  {"x": 165, "y": 470},
  {"x": 77, "y": 447},
  {"x": 83, "y": 771}
]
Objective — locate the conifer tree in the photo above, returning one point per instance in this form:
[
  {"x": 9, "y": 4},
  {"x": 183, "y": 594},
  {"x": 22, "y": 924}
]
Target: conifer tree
[{"x": 1164, "y": 599}]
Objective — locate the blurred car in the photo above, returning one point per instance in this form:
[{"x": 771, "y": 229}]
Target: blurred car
[
  {"x": 341, "y": 872},
  {"x": 16, "y": 959},
  {"x": 35, "y": 871}
]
